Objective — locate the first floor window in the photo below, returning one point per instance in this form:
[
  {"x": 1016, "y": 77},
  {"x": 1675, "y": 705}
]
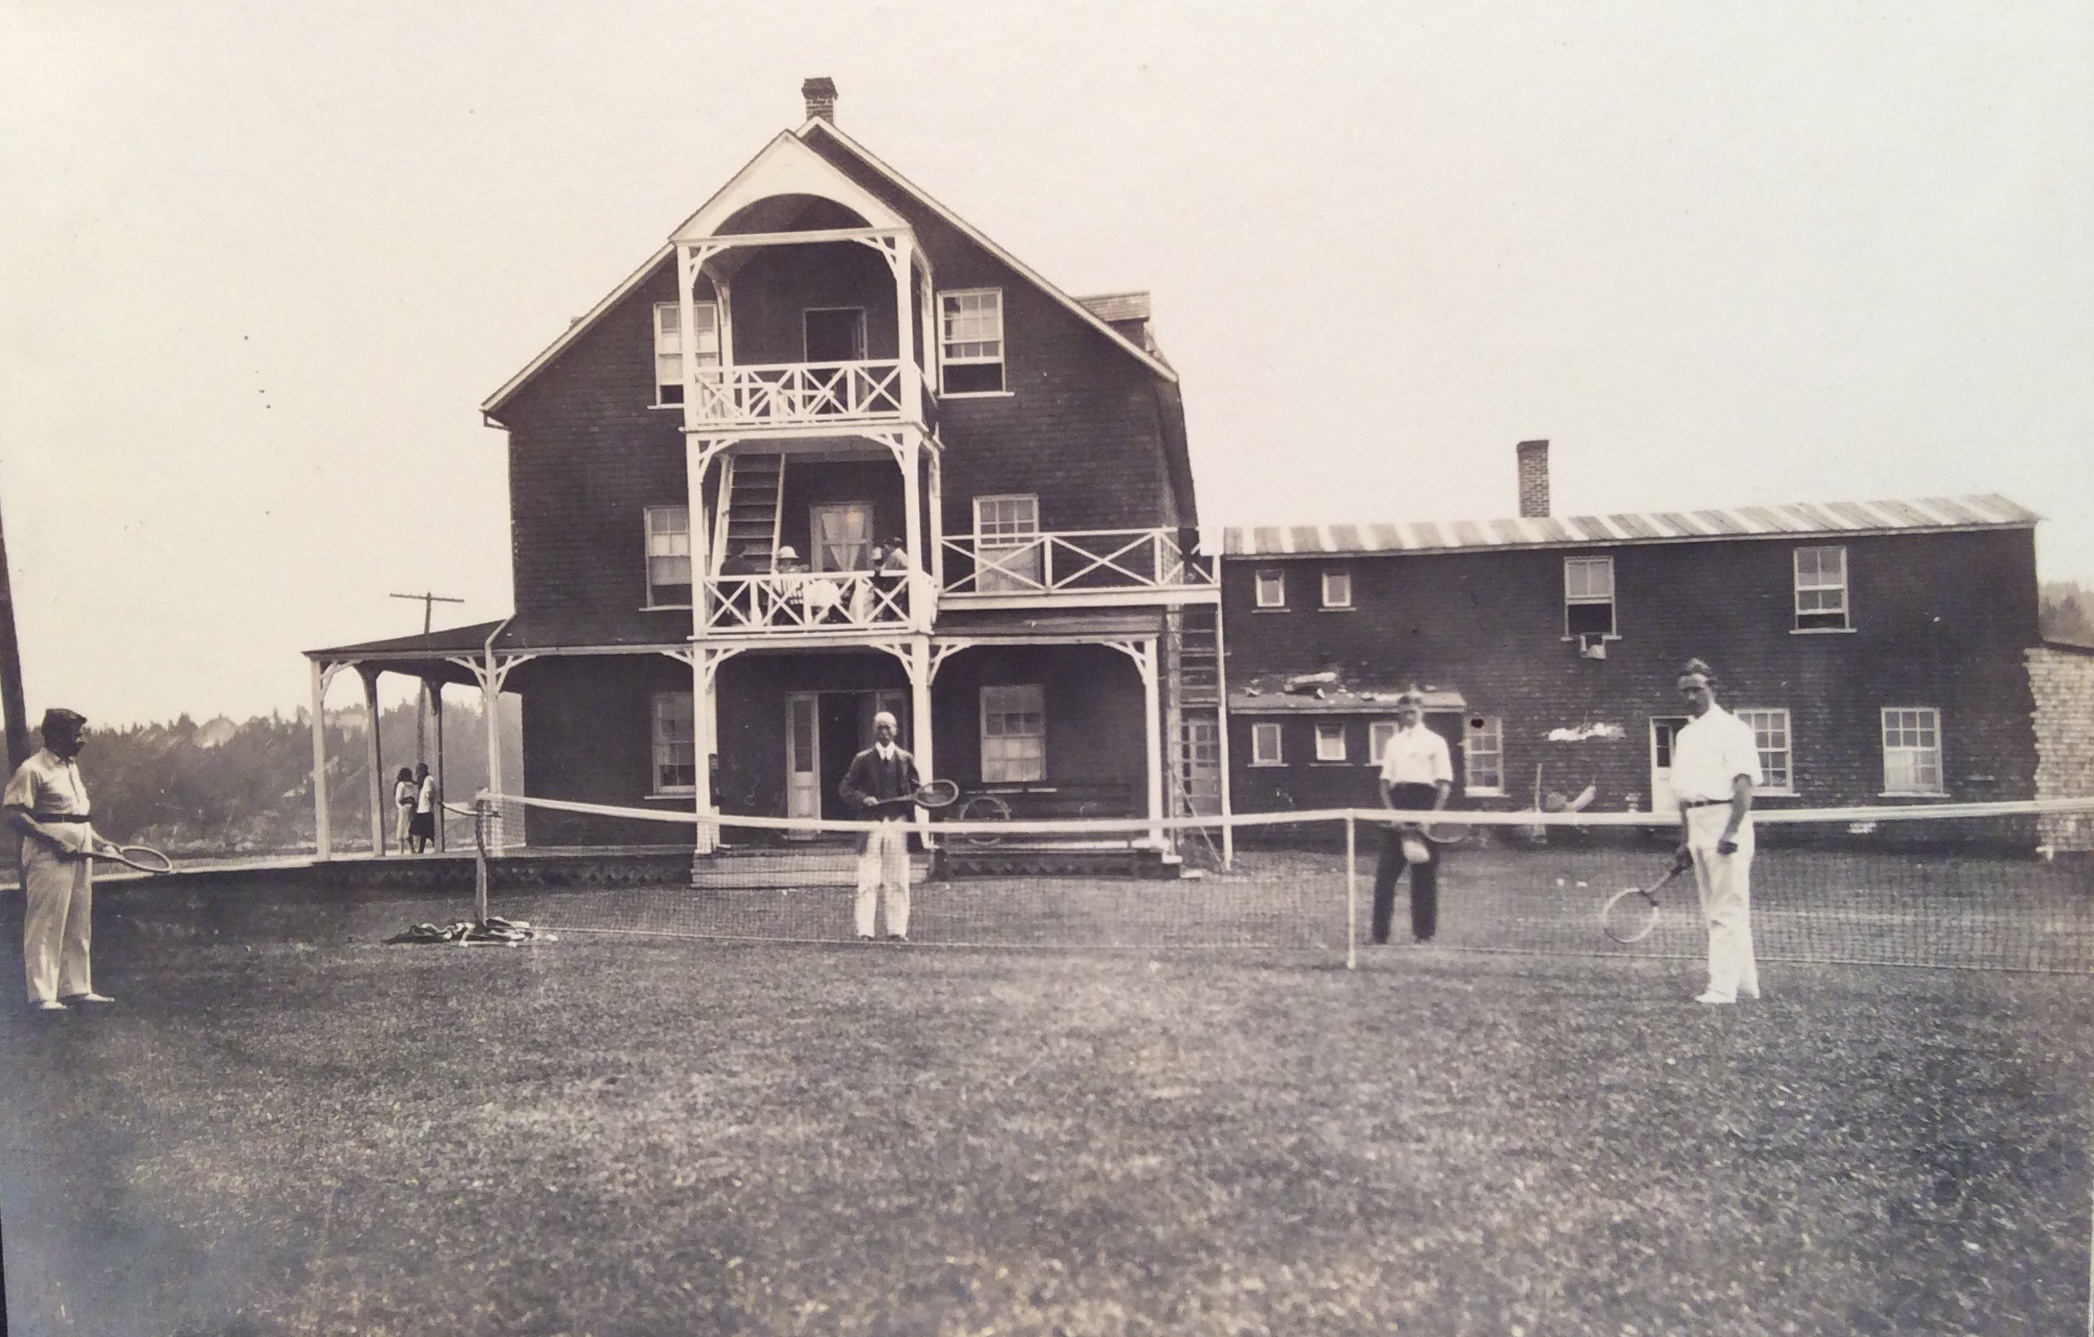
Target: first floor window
[
  {"x": 668, "y": 557},
  {"x": 1265, "y": 745},
  {"x": 1483, "y": 755},
  {"x": 1911, "y": 750},
  {"x": 1014, "y": 734},
  {"x": 1330, "y": 742},
  {"x": 1378, "y": 735},
  {"x": 668, "y": 346},
  {"x": 1588, "y": 596},
  {"x": 1272, "y": 589},
  {"x": 1770, "y": 734},
  {"x": 970, "y": 340},
  {"x": 675, "y": 744},
  {"x": 1821, "y": 589}
]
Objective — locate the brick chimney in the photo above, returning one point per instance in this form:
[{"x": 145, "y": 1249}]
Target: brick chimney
[
  {"x": 821, "y": 98},
  {"x": 1534, "y": 479}
]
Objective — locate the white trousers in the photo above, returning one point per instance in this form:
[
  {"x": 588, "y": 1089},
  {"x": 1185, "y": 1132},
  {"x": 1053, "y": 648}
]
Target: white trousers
[
  {"x": 56, "y": 922},
  {"x": 884, "y": 866},
  {"x": 1725, "y": 884}
]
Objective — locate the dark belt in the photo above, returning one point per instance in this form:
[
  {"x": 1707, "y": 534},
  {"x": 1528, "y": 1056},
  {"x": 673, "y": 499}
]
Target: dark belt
[
  {"x": 60, "y": 816},
  {"x": 1702, "y": 802}
]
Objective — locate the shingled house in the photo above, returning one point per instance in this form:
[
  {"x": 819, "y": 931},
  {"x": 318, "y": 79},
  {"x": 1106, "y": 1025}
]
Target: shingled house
[
  {"x": 831, "y": 450},
  {"x": 1880, "y": 651}
]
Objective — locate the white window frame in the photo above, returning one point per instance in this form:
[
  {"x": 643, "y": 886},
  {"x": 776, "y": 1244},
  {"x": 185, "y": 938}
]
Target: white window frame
[
  {"x": 1330, "y": 742},
  {"x": 1578, "y": 593},
  {"x": 668, "y": 344},
  {"x": 1909, "y": 761},
  {"x": 669, "y": 746},
  {"x": 1009, "y": 554},
  {"x": 980, "y": 344},
  {"x": 1378, "y": 735},
  {"x": 1342, "y": 578},
  {"x": 1001, "y": 763},
  {"x": 1271, "y": 581},
  {"x": 1482, "y": 736},
  {"x": 660, "y": 545},
  {"x": 1268, "y": 743},
  {"x": 1774, "y": 734},
  {"x": 1816, "y": 588}
]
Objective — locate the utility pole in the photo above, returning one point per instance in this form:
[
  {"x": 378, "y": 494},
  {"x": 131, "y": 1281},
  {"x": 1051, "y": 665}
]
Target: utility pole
[
  {"x": 421, "y": 695},
  {"x": 17, "y": 710}
]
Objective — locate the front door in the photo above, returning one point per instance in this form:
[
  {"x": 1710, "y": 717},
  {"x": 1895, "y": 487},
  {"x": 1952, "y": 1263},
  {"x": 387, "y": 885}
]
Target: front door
[
  {"x": 1663, "y": 729},
  {"x": 836, "y": 334},
  {"x": 803, "y": 758}
]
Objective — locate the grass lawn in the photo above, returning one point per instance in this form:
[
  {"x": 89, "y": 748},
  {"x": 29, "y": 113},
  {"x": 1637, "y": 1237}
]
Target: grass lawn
[{"x": 305, "y": 1131}]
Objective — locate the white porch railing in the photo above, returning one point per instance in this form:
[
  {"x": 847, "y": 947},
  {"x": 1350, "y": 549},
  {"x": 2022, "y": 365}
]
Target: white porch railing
[
  {"x": 1071, "y": 562},
  {"x": 788, "y": 602},
  {"x": 799, "y": 392}
]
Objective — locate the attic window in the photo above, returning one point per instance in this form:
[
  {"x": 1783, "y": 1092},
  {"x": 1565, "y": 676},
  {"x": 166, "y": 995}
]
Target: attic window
[
  {"x": 970, "y": 340},
  {"x": 668, "y": 346}
]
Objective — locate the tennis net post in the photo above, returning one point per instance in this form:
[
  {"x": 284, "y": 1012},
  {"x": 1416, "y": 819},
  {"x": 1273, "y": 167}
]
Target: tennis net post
[{"x": 1352, "y": 892}]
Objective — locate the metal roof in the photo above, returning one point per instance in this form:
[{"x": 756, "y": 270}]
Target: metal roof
[{"x": 1838, "y": 517}]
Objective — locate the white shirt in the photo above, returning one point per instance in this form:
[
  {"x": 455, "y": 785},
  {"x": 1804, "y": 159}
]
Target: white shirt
[
  {"x": 1416, "y": 756},
  {"x": 1710, "y": 752},
  {"x": 425, "y": 798}
]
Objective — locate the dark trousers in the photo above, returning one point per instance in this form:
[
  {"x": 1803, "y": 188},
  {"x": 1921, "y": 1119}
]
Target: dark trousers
[{"x": 1425, "y": 877}]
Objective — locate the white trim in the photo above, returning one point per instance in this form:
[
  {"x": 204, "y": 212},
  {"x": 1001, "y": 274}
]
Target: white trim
[
  {"x": 784, "y": 166},
  {"x": 1279, "y": 741},
  {"x": 1325, "y": 729},
  {"x": 1258, "y": 592},
  {"x": 968, "y": 230},
  {"x": 1323, "y": 589}
]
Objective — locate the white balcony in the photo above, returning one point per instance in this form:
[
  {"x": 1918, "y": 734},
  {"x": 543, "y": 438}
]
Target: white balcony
[
  {"x": 798, "y": 603},
  {"x": 794, "y": 394},
  {"x": 1073, "y": 567}
]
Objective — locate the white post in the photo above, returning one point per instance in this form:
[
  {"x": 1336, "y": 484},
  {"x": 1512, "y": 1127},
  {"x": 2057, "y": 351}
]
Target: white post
[
  {"x": 435, "y": 688},
  {"x": 491, "y": 709},
  {"x": 1152, "y": 722},
  {"x": 937, "y": 486},
  {"x": 704, "y": 736},
  {"x": 373, "y": 761},
  {"x": 323, "y": 835},
  {"x": 918, "y": 663},
  {"x": 912, "y": 511},
  {"x": 903, "y": 263}
]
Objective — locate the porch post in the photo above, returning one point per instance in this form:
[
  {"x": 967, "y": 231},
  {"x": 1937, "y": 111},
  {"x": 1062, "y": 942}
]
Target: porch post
[
  {"x": 903, "y": 262},
  {"x": 435, "y": 688},
  {"x": 323, "y": 837},
  {"x": 918, "y": 663},
  {"x": 705, "y": 737},
  {"x": 1152, "y": 722},
  {"x": 937, "y": 487},
  {"x": 373, "y": 761},
  {"x": 912, "y": 510}
]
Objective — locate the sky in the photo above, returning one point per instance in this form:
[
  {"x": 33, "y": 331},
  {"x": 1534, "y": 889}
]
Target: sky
[{"x": 260, "y": 264}]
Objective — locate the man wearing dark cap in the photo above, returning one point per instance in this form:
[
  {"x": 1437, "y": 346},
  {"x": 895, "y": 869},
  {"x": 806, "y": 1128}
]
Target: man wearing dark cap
[{"x": 47, "y": 804}]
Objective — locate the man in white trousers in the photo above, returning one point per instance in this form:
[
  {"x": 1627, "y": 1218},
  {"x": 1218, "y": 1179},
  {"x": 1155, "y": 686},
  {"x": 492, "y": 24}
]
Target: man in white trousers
[
  {"x": 882, "y": 783},
  {"x": 1715, "y": 768},
  {"x": 47, "y": 804}
]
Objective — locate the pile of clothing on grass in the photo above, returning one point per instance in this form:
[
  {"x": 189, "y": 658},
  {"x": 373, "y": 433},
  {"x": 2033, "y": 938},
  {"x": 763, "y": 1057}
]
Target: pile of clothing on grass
[{"x": 494, "y": 928}]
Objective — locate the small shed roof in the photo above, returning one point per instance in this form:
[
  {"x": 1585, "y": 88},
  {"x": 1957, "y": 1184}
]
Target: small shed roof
[{"x": 1796, "y": 519}]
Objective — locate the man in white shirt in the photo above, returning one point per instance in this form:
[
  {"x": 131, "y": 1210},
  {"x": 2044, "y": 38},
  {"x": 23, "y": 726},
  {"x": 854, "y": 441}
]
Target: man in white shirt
[
  {"x": 882, "y": 784},
  {"x": 1416, "y": 774},
  {"x": 47, "y": 804},
  {"x": 1715, "y": 767}
]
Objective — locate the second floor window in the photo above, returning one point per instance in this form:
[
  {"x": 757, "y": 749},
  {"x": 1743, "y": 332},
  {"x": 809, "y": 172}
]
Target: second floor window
[
  {"x": 1337, "y": 589},
  {"x": 668, "y": 346},
  {"x": 970, "y": 340},
  {"x": 1770, "y": 734},
  {"x": 1265, "y": 745},
  {"x": 1483, "y": 755},
  {"x": 668, "y": 557},
  {"x": 1008, "y": 555},
  {"x": 675, "y": 744},
  {"x": 1821, "y": 589},
  {"x": 1272, "y": 589},
  {"x": 1588, "y": 596},
  {"x": 1911, "y": 750}
]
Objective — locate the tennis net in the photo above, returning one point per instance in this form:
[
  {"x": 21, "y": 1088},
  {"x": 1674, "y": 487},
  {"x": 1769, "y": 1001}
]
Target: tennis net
[{"x": 1960, "y": 886}]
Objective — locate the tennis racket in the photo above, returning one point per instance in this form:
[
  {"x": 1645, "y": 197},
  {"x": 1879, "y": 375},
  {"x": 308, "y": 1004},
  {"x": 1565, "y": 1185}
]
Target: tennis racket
[
  {"x": 144, "y": 858},
  {"x": 1631, "y": 913},
  {"x": 1445, "y": 833},
  {"x": 935, "y": 794}
]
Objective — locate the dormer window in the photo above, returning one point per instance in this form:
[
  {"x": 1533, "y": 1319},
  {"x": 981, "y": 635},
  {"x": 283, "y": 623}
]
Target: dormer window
[{"x": 970, "y": 340}]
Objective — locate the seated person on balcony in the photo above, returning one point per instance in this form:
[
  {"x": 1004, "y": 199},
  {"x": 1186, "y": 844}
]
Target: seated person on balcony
[{"x": 750, "y": 561}]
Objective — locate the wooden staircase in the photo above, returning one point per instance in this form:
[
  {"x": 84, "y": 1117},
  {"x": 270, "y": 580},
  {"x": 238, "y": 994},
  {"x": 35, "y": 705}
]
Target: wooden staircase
[
  {"x": 754, "y": 488},
  {"x": 1193, "y": 668}
]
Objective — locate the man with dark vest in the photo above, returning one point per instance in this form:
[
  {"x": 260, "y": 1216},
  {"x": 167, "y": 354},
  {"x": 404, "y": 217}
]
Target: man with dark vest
[
  {"x": 47, "y": 804},
  {"x": 882, "y": 783}
]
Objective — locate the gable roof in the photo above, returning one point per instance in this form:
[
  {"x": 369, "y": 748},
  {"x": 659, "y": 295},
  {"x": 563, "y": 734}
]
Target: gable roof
[
  {"x": 721, "y": 199},
  {"x": 1801, "y": 518}
]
